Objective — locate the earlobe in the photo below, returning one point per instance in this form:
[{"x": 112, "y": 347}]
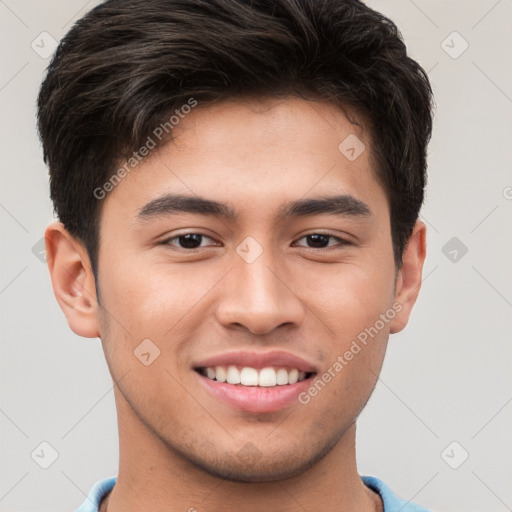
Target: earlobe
[
  {"x": 72, "y": 280},
  {"x": 408, "y": 281}
]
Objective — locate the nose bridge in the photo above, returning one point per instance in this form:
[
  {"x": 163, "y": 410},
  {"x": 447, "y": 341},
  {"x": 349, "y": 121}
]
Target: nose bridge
[{"x": 256, "y": 295}]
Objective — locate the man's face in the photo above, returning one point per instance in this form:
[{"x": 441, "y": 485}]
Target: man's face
[{"x": 252, "y": 291}]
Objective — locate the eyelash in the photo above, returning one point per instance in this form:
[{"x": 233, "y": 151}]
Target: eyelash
[{"x": 167, "y": 241}]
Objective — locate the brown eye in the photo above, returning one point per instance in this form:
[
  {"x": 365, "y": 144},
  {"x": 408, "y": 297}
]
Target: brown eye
[
  {"x": 321, "y": 240},
  {"x": 187, "y": 241}
]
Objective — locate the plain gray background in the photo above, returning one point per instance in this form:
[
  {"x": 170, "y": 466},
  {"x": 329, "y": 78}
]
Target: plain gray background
[{"x": 445, "y": 390}]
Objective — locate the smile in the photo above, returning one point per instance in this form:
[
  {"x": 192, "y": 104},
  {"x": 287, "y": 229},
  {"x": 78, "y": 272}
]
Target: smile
[{"x": 248, "y": 376}]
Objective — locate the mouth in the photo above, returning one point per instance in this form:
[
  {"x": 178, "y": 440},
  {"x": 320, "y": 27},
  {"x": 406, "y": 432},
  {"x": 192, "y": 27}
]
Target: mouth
[
  {"x": 256, "y": 382},
  {"x": 247, "y": 376}
]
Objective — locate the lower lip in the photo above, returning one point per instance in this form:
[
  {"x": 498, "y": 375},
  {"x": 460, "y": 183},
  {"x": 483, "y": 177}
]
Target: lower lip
[{"x": 256, "y": 398}]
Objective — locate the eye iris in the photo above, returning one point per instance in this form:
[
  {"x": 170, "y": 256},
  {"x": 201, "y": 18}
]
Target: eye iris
[
  {"x": 193, "y": 240},
  {"x": 190, "y": 240},
  {"x": 318, "y": 240}
]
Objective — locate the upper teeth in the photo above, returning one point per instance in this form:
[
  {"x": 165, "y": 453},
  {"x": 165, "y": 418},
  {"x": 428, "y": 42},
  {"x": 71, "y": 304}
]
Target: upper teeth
[{"x": 248, "y": 376}]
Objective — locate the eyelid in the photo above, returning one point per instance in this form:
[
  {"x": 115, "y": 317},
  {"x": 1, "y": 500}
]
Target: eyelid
[
  {"x": 341, "y": 241},
  {"x": 167, "y": 240}
]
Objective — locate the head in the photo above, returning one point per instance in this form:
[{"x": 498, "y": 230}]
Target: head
[{"x": 263, "y": 110}]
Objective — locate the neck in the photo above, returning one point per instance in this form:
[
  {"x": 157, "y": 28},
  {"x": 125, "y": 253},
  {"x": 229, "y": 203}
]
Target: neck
[{"x": 153, "y": 477}]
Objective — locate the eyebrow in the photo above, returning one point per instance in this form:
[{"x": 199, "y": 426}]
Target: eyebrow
[{"x": 169, "y": 204}]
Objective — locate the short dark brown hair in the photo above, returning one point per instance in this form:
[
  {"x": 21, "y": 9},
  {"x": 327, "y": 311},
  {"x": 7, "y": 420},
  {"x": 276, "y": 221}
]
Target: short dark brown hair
[{"x": 129, "y": 64}]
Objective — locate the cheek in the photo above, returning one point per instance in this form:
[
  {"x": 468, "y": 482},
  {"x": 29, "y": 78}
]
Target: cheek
[
  {"x": 351, "y": 368},
  {"x": 349, "y": 298},
  {"x": 150, "y": 298},
  {"x": 350, "y": 303}
]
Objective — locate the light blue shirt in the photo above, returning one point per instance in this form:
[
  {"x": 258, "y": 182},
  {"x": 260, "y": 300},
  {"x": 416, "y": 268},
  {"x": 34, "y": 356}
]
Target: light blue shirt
[{"x": 391, "y": 502}]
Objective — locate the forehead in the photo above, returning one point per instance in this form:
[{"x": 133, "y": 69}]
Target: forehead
[{"x": 252, "y": 153}]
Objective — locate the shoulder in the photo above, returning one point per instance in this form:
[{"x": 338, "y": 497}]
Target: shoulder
[
  {"x": 392, "y": 503},
  {"x": 96, "y": 494}
]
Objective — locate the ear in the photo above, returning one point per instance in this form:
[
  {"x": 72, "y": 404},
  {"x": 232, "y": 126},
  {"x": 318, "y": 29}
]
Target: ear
[
  {"x": 408, "y": 281},
  {"x": 72, "y": 280}
]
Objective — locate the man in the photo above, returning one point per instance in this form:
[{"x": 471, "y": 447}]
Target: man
[{"x": 238, "y": 187}]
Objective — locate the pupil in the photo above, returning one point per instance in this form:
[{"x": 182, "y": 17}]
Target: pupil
[
  {"x": 318, "y": 240},
  {"x": 190, "y": 241}
]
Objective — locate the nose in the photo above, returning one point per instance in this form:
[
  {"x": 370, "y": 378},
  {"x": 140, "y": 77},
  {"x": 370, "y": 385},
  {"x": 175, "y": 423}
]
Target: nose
[{"x": 259, "y": 297}]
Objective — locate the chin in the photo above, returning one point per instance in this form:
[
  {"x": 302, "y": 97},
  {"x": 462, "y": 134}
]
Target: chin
[{"x": 251, "y": 465}]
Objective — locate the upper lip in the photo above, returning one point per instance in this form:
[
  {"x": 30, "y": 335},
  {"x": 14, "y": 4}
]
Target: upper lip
[{"x": 258, "y": 360}]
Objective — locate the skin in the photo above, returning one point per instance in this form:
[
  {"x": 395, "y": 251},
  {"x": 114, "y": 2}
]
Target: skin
[{"x": 180, "y": 446}]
